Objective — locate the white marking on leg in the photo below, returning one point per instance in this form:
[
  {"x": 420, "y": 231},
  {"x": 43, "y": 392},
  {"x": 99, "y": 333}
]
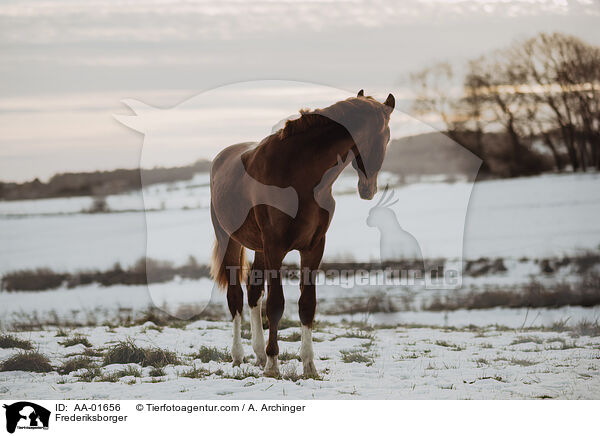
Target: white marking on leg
[
  {"x": 237, "y": 350},
  {"x": 272, "y": 367},
  {"x": 258, "y": 335},
  {"x": 307, "y": 353}
]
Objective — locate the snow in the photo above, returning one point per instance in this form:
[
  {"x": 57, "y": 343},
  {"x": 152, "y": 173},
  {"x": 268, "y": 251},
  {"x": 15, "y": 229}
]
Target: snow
[
  {"x": 407, "y": 363},
  {"x": 535, "y": 217},
  {"x": 183, "y": 296}
]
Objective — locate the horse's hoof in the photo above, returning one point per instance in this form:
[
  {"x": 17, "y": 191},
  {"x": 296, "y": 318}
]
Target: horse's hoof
[
  {"x": 272, "y": 372},
  {"x": 310, "y": 370},
  {"x": 237, "y": 363},
  {"x": 261, "y": 361},
  {"x": 272, "y": 367}
]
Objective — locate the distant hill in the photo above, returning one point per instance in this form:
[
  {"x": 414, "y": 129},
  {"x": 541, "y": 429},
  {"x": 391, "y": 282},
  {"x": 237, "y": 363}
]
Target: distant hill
[
  {"x": 410, "y": 157},
  {"x": 435, "y": 153},
  {"x": 98, "y": 183},
  {"x": 427, "y": 154}
]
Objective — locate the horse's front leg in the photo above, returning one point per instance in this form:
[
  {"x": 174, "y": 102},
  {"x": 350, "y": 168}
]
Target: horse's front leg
[
  {"x": 310, "y": 260},
  {"x": 275, "y": 305},
  {"x": 256, "y": 289}
]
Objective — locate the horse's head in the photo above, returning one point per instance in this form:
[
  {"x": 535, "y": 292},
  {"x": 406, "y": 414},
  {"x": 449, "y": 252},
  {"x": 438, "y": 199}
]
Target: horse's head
[{"x": 371, "y": 143}]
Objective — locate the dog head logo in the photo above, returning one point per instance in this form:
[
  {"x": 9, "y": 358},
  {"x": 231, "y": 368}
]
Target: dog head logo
[{"x": 26, "y": 415}]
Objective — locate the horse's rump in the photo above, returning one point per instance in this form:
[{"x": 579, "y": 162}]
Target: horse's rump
[{"x": 227, "y": 168}]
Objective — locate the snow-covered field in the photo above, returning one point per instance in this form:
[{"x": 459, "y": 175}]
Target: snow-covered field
[
  {"x": 105, "y": 304},
  {"x": 538, "y": 216},
  {"x": 491, "y": 353},
  {"x": 399, "y": 363}
]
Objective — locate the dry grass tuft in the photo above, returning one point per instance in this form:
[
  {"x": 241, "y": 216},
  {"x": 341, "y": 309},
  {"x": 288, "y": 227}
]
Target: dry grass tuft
[
  {"x": 10, "y": 341},
  {"x": 76, "y": 340},
  {"x": 128, "y": 352},
  {"x": 208, "y": 354},
  {"x": 75, "y": 364},
  {"x": 358, "y": 356},
  {"x": 30, "y": 361},
  {"x": 195, "y": 372},
  {"x": 292, "y": 337},
  {"x": 286, "y": 356}
]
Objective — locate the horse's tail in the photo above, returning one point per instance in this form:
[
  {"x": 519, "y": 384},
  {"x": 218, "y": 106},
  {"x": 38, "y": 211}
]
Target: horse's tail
[
  {"x": 228, "y": 257},
  {"x": 235, "y": 260}
]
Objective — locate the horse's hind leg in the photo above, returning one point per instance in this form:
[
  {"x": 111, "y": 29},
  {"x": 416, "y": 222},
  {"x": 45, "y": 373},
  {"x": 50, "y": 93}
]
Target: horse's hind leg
[
  {"x": 256, "y": 287},
  {"x": 310, "y": 260},
  {"x": 235, "y": 298},
  {"x": 275, "y": 304}
]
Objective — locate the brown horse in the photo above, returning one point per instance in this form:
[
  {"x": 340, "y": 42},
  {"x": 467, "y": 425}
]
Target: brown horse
[{"x": 276, "y": 197}]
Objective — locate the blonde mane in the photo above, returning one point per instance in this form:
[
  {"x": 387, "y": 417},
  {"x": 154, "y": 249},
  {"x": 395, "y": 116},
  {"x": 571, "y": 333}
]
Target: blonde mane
[{"x": 345, "y": 112}]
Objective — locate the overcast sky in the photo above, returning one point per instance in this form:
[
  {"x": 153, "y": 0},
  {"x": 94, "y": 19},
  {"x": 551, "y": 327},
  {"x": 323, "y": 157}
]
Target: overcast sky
[{"x": 66, "y": 64}]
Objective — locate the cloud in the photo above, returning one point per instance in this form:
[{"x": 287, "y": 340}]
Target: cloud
[{"x": 65, "y": 21}]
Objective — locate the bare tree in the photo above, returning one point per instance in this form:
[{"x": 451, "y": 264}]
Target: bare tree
[
  {"x": 440, "y": 93},
  {"x": 564, "y": 73},
  {"x": 498, "y": 83},
  {"x": 541, "y": 91},
  {"x": 433, "y": 87}
]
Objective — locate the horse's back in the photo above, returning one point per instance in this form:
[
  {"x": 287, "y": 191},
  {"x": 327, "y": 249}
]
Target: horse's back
[{"x": 228, "y": 154}]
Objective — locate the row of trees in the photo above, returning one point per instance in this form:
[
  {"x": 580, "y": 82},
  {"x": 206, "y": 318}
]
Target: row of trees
[
  {"x": 99, "y": 183},
  {"x": 529, "y": 108}
]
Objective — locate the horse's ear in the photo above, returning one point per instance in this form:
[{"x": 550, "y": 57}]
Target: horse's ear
[
  {"x": 361, "y": 93},
  {"x": 390, "y": 102}
]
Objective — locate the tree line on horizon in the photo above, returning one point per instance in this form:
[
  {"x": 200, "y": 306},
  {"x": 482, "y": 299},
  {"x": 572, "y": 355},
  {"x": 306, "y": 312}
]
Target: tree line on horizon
[
  {"x": 529, "y": 108},
  {"x": 98, "y": 183}
]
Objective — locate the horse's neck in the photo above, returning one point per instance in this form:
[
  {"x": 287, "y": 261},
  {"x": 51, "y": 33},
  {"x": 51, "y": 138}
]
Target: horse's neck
[{"x": 334, "y": 158}]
